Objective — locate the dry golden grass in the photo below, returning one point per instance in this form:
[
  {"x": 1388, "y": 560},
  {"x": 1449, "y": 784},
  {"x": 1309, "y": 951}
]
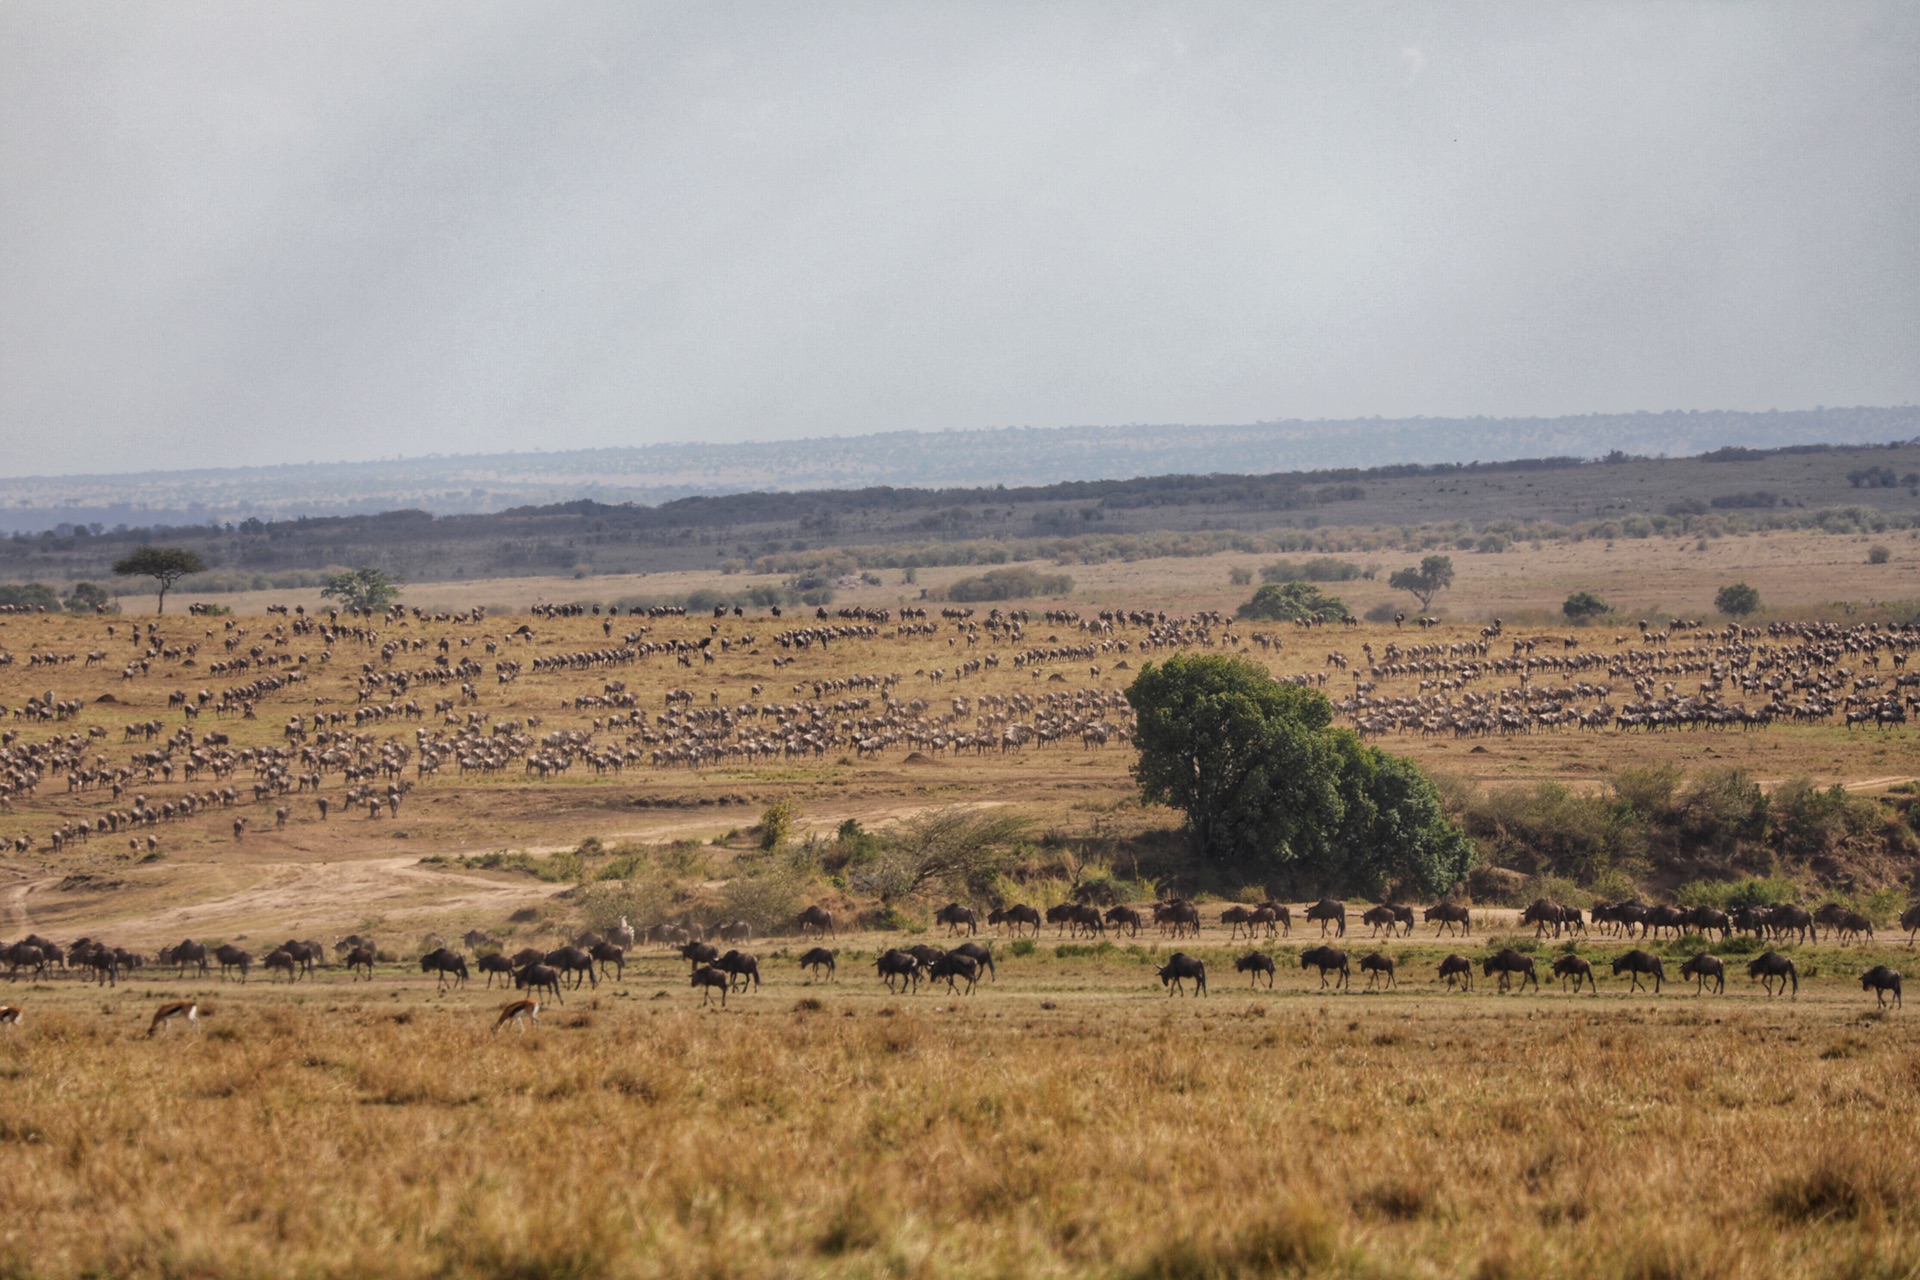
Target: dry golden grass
[{"x": 1069, "y": 1120}]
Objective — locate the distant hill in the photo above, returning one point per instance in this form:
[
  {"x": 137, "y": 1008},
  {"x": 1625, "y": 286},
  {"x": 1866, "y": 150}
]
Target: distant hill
[{"x": 1012, "y": 456}]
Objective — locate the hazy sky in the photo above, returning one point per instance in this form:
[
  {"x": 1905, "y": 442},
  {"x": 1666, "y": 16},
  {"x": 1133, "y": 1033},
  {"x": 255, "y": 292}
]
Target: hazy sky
[{"x": 249, "y": 233}]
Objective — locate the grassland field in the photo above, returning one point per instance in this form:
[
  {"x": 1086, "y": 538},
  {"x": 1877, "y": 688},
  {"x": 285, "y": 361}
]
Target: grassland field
[{"x": 1069, "y": 1118}]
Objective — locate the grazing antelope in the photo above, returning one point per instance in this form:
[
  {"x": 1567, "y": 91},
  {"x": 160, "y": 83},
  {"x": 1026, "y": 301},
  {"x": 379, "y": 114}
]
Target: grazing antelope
[
  {"x": 519, "y": 1013},
  {"x": 172, "y": 1012},
  {"x": 9, "y": 1017}
]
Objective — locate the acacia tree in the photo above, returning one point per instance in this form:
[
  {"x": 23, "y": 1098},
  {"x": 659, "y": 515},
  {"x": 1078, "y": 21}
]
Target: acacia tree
[
  {"x": 165, "y": 565},
  {"x": 363, "y": 588},
  {"x": 1434, "y": 575},
  {"x": 1736, "y": 600}
]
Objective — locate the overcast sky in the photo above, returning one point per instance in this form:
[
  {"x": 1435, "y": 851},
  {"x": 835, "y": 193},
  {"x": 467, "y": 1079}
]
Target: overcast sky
[{"x": 255, "y": 233}]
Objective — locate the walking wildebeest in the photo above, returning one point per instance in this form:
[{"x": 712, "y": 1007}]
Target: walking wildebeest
[
  {"x": 232, "y": 957},
  {"x": 1329, "y": 912},
  {"x": 184, "y": 953},
  {"x": 1373, "y": 964},
  {"x": 898, "y": 964},
  {"x": 360, "y": 957},
  {"x": 955, "y": 916},
  {"x": 1387, "y": 916},
  {"x": 1910, "y": 921},
  {"x": 1702, "y": 967},
  {"x": 540, "y": 977},
  {"x": 699, "y": 953},
  {"x": 952, "y": 966},
  {"x": 1180, "y": 966},
  {"x": 1881, "y": 980},
  {"x": 1457, "y": 967},
  {"x": 1445, "y": 915},
  {"x": 1253, "y": 964},
  {"x": 1016, "y": 918},
  {"x": 1327, "y": 960},
  {"x": 1770, "y": 967},
  {"x": 443, "y": 963},
  {"x": 817, "y": 959},
  {"x": 1788, "y": 919},
  {"x": 815, "y": 919},
  {"x": 980, "y": 954},
  {"x": 608, "y": 953},
  {"x": 740, "y": 966},
  {"x": 494, "y": 963},
  {"x": 1124, "y": 917},
  {"x": 572, "y": 960},
  {"x": 1640, "y": 963},
  {"x": 1577, "y": 968},
  {"x": 709, "y": 980},
  {"x": 1507, "y": 962}
]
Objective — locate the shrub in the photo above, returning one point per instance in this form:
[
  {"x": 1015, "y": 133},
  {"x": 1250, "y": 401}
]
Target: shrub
[
  {"x": 1018, "y": 583},
  {"x": 1318, "y": 569},
  {"x": 777, "y": 823},
  {"x": 1287, "y": 602},
  {"x": 766, "y": 897},
  {"x": 1878, "y": 555},
  {"x": 1736, "y": 600},
  {"x": 1583, "y": 606}
]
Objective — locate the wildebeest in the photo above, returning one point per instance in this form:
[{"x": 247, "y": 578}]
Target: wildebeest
[
  {"x": 1770, "y": 967},
  {"x": 492, "y": 964},
  {"x": 608, "y": 953},
  {"x": 817, "y": 959},
  {"x": 1179, "y": 967},
  {"x": 815, "y": 919},
  {"x": 1445, "y": 915},
  {"x": 1387, "y": 916},
  {"x": 1178, "y": 917},
  {"x": 953, "y": 966},
  {"x": 956, "y": 917},
  {"x": 1016, "y": 918},
  {"x": 1881, "y": 980},
  {"x": 1373, "y": 964},
  {"x": 980, "y": 954},
  {"x": 572, "y": 960},
  {"x": 1327, "y": 960},
  {"x": 1640, "y": 963},
  {"x": 360, "y": 957},
  {"x": 1543, "y": 914},
  {"x": 894, "y": 963},
  {"x": 1507, "y": 962},
  {"x": 186, "y": 952},
  {"x": 280, "y": 959},
  {"x": 1702, "y": 967},
  {"x": 1788, "y": 919},
  {"x": 444, "y": 963},
  {"x": 1274, "y": 915},
  {"x": 1579, "y": 969},
  {"x": 1253, "y": 964},
  {"x": 1704, "y": 920},
  {"x": 232, "y": 957},
  {"x": 709, "y": 980},
  {"x": 1235, "y": 918},
  {"x": 740, "y": 966},
  {"x": 734, "y": 931},
  {"x": 699, "y": 953},
  {"x": 1328, "y": 911},
  {"x": 1910, "y": 921},
  {"x": 540, "y": 977},
  {"x": 1121, "y": 917},
  {"x": 1457, "y": 967}
]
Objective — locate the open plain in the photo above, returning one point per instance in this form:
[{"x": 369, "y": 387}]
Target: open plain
[{"x": 524, "y": 776}]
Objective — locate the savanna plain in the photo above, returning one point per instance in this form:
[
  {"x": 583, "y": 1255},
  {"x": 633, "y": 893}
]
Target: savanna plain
[{"x": 1070, "y": 1116}]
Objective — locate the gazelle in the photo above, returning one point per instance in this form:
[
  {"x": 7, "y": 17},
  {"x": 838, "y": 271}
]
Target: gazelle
[
  {"x": 514, "y": 1011},
  {"x": 9, "y": 1017},
  {"x": 172, "y": 1012}
]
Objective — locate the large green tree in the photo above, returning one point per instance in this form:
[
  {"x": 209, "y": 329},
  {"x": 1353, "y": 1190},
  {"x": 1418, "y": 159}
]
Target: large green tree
[
  {"x": 1434, "y": 575},
  {"x": 1268, "y": 785},
  {"x": 363, "y": 588},
  {"x": 165, "y": 565},
  {"x": 1286, "y": 601}
]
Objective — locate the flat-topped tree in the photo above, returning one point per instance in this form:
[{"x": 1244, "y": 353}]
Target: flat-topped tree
[
  {"x": 165, "y": 565},
  {"x": 1434, "y": 575}
]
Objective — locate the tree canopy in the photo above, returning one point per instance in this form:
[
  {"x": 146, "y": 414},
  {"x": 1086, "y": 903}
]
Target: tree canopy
[
  {"x": 363, "y": 588},
  {"x": 1268, "y": 785},
  {"x": 1434, "y": 575},
  {"x": 1285, "y": 601},
  {"x": 165, "y": 565},
  {"x": 1584, "y": 605},
  {"x": 1736, "y": 600}
]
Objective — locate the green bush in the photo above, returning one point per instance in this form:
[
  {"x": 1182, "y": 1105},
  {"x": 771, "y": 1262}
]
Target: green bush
[
  {"x": 1584, "y": 606},
  {"x": 1290, "y": 601},
  {"x": 1736, "y": 600},
  {"x": 1878, "y": 555},
  {"x": 1017, "y": 583}
]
